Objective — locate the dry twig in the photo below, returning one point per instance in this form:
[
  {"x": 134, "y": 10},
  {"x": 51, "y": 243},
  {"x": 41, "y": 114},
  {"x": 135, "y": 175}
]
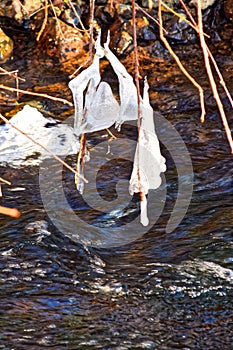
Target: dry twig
[
  {"x": 221, "y": 80},
  {"x": 193, "y": 25},
  {"x": 79, "y": 19},
  {"x": 13, "y": 212},
  {"x": 137, "y": 77},
  {"x": 5, "y": 181},
  {"x": 178, "y": 62},
  {"x": 44, "y": 21},
  {"x": 83, "y": 139},
  {"x": 58, "y": 99},
  {"x": 12, "y": 74},
  {"x": 147, "y": 14},
  {"x": 211, "y": 77}
]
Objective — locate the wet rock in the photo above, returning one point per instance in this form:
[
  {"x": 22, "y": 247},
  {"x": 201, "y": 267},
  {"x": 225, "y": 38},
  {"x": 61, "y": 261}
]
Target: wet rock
[
  {"x": 228, "y": 9},
  {"x": 179, "y": 31},
  {"x": 125, "y": 44},
  {"x": 158, "y": 50},
  {"x": 204, "y": 3},
  {"x": 6, "y": 47},
  {"x": 148, "y": 3},
  {"x": 61, "y": 42},
  {"x": 148, "y": 33},
  {"x": 124, "y": 11},
  {"x": 6, "y": 8},
  {"x": 68, "y": 16},
  {"x": 23, "y": 10}
]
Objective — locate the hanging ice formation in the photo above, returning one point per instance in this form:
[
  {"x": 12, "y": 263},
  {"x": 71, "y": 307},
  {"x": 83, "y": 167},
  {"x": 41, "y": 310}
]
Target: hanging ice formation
[{"x": 96, "y": 109}]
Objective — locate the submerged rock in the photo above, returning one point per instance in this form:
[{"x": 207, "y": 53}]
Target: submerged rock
[{"x": 204, "y": 3}]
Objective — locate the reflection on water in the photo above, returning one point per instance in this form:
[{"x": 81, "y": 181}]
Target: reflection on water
[{"x": 163, "y": 291}]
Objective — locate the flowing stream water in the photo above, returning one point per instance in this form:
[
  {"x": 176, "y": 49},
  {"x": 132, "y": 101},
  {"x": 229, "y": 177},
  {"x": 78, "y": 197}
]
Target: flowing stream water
[{"x": 163, "y": 290}]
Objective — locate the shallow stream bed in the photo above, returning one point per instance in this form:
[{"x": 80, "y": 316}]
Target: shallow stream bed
[{"x": 163, "y": 290}]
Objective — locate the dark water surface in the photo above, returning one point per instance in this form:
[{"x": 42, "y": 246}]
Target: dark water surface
[{"x": 163, "y": 291}]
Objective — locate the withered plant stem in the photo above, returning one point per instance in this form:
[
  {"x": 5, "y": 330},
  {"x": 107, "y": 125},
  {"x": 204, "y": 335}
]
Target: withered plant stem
[
  {"x": 44, "y": 21},
  {"x": 58, "y": 99},
  {"x": 91, "y": 42},
  {"x": 137, "y": 76},
  {"x": 13, "y": 212},
  {"x": 12, "y": 74},
  {"x": 5, "y": 181},
  {"x": 146, "y": 14},
  {"x": 57, "y": 20},
  {"x": 211, "y": 77},
  {"x": 178, "y": 62},
  {"x": 221, "y": 80},
  {"x": 79, "y": 18},
  {"x": 83, "y": 138}
]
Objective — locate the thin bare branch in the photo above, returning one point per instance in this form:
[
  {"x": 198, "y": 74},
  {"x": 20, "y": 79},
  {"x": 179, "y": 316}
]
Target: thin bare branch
[
  {"x": 79, "y": 18},
  {"x": 211, "y": 77},
  {"x": 81, "y": 155},
  {"x": 178, "y": 62},
  {"x": 181, "y": 17},
  {"x": 12, "y": 74},
  {"x": 44, "y": 21},
  {"x": 147, "y": 14},
  {"x": 137, "y": 76},
  {"x": 12, "y": 212},
  {"x": 91, "y": 43},
  {"x": 57, "y": 20},
  {"x": 58, "y": 99},
  {"x": 188, "y": 12},
  {"x": 221, "y": 80},
  {"x": 5, "y": 181}
]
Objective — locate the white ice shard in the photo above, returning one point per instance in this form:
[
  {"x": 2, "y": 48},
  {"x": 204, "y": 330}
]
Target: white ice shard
[
  {"x": 101, "y": 110},
  {"x": 148, "y": 161},
  {"x": 127, "y": 89},
  {"x": 95, "y": 106}
]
